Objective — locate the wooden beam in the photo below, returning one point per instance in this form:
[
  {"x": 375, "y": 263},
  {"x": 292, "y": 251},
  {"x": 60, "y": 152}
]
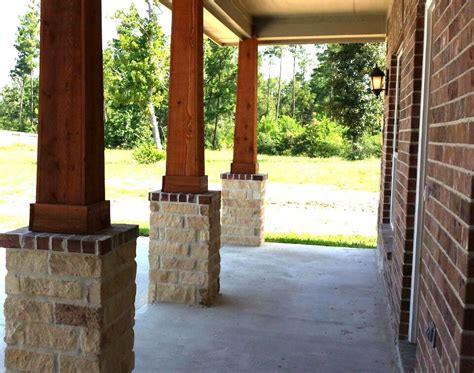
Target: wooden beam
[
  {"x": 245, "y": 136},
  {"x": 321, "y": 29},
  {"x": 70, "y": 192},
  {"x": 185, "y": 148}
]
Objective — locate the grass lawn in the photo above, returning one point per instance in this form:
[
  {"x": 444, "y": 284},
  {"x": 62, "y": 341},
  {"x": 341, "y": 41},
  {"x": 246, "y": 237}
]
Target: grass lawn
[{"x": 125, "y": 178}]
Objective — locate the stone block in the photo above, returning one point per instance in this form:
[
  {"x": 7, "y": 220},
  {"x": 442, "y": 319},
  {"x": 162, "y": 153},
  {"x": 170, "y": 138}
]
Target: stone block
[
  {"x": 51, "y": 336},
  {"x": 193, "y": 278},
  {"x": 166, "y": 277},
  {"x": 173, "y": 263},
  {"x": 164, "y": 220},
  {"x": 158, "y": 248},
  {"x": 75, "y": 265},
  {"x": 27, "y": 261},
  {"x": 176, "y": 294},
  {"x": 28, "y": 310},
  {"x": 66, "y": 289},
  {"x": 72, "y": 364},
  {"x": 28, "y": 361}
]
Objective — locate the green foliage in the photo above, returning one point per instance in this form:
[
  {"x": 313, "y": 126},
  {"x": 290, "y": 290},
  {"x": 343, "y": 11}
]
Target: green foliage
[
  {"x": 19, "y": 100},
  {"x": 322, "y": 138},
  {"x": 278, "y": 136},
  {"x": 340, "y": 86},
  {"x": 367, "y": 146},
  {"x": 220, "y": 78},
  {"x": 147, "y": 153},
  {"x": 136, "y": 76}
]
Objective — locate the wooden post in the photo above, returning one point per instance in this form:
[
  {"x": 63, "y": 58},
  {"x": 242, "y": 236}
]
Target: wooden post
[
  {"x": 245, "y": 136},
  {"x": 185, "y": 148},
  {"x": 70, "y": 194}
]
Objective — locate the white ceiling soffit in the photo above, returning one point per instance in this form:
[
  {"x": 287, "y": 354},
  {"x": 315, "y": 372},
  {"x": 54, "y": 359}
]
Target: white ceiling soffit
[{"x": 294, "y": 21}]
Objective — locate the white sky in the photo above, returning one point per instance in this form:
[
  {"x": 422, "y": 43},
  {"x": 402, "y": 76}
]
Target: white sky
[{"x": 10, "y": 10}]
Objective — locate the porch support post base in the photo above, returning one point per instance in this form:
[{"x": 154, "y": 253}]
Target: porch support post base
[
  {"x": 69, "y": 218},
  {"x": 243, "y": 208},
  {"x": 184, "y": 248},
  {"x": 70, "y": 301}
]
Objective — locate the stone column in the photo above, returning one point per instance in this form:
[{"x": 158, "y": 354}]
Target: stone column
[
  {"x": 243, "y": 189},
  {"x": 243, "y": 208},
  {"x": 185, "y": 217},
  {"x": 184, "y": 247},
  {"x": 70, "y": 301}
]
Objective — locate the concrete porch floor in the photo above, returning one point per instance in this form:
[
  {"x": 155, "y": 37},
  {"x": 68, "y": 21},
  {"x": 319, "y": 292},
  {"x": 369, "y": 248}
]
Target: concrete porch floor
[{"x": 288, "y": 308}]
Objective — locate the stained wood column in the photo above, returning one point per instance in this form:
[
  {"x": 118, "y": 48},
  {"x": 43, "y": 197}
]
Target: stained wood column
[
  {"x": 185, "y": 148},
  {"x": 245, "y": 136},
  {"x": 70, "y": 195}
]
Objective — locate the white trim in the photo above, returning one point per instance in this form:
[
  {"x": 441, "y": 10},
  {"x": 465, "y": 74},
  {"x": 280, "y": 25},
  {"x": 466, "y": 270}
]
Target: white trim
[
  {"x": 394, "y": 142},
  {"x": 421, "y": 193}
]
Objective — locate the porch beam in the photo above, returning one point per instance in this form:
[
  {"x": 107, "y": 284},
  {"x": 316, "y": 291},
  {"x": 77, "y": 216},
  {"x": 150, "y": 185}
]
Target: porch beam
[
  {"x": 245, "y": 136},
  {"x": 70, "y": 193},
  {"x": 185, "y": 148}
]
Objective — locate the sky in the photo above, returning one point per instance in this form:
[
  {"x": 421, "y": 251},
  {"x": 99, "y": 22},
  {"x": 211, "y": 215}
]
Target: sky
[{"x": 10, "y": 10}]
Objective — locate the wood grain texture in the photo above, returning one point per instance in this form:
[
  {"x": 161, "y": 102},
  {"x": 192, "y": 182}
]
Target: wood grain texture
[
  {"x": 245, "y": 135},
  {"x": 185, "y": 148},
  {"x": 71, "y": 125}
]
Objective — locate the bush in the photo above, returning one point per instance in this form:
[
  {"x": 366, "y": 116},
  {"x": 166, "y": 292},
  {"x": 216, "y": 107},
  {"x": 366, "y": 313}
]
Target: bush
[
  {"x": 321, "y": 138},
  {"x": 278, "y": 137},
  {"x": 147, "y": 153},
  {"x": 367, "y": 146}
]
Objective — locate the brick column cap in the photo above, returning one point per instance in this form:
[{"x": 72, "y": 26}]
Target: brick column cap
[
  {"x": 100, "y": 243},
  {"x": 200, "y": 198},
  {"x": 251, "y": 177}
]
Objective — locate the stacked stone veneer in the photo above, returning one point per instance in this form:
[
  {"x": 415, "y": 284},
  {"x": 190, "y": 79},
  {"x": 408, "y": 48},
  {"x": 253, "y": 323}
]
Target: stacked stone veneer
[
  {"x": 70, "y": 301},
  {"x": 243, "y": 208},
  {"x": 184, "y": 248}
]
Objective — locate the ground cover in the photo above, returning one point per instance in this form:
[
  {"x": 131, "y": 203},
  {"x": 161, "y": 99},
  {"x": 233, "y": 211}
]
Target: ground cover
[{"x": 319, "y": 192}]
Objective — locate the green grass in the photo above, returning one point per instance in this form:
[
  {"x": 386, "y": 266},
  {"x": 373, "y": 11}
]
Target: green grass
[
  {"x": 365, "y": 242},
  {"x": 354, "y": 241},
  {"x": 126, "y": 179}
]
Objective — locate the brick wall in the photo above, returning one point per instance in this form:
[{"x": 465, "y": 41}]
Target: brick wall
[
  {"x": 405, "y": 33},
  {"x": 447, "y": 267}
]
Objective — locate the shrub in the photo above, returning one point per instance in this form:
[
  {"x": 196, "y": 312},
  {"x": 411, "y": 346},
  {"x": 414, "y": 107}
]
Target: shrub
[
  {"x": 278, "y": 137},
  {"x": 366, "y": 147},
  {"x": 147, "y": 153},
  {"x": 321, "y": 138}
]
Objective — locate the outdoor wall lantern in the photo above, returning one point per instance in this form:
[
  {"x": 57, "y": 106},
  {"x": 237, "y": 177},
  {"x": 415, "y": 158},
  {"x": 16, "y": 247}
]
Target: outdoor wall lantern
[{"x": 377, "y": 81}]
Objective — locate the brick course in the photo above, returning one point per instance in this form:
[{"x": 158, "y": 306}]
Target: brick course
[{"x": 70, "y": 301}]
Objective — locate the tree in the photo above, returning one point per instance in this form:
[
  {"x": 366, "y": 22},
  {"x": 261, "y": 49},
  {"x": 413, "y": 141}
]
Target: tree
[
  {"x": 297, "y": 52},
  {"x": 220, "y": 76},
  {"x": 278, "y": 52},
  {"x": 136, "y": 76},
  {"x": 19, "y": 101},
  {"x": 341, "y": 88}
]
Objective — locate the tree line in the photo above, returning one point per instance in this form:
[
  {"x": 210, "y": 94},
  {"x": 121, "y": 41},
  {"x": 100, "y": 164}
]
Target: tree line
[{"x": 325, "y": 109}]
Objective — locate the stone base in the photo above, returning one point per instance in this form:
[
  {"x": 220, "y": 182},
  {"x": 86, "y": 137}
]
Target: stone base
[
  {"x": 184, "y": 248},
  {"x": 70, "y": 301},
  {"x": 243, "y": 209}
]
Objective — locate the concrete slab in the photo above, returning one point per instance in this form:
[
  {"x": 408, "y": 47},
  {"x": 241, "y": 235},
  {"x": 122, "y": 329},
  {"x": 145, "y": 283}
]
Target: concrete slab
[{"x": 286, "y": 308}]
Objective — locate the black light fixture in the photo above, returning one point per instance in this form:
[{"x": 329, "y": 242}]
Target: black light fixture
[{"x": 377, "y": 81}]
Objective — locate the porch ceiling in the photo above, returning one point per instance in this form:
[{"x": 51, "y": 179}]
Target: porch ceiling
[{"x": 294, "y": 21}]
